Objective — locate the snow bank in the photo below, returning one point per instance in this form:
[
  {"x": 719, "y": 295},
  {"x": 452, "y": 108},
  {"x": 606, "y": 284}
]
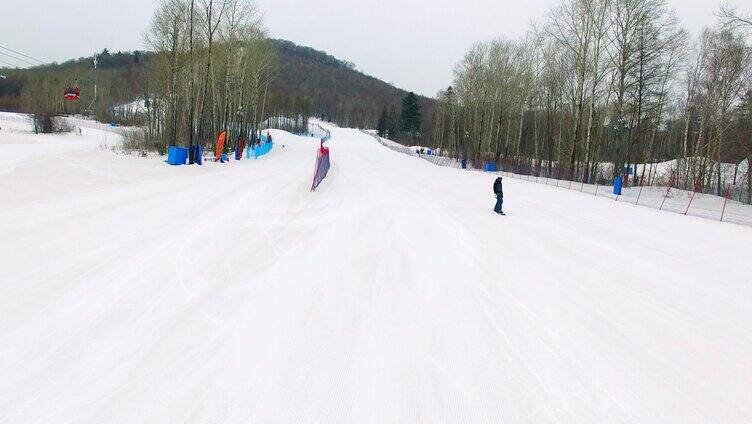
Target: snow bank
[{"x": 230, "y": 293}]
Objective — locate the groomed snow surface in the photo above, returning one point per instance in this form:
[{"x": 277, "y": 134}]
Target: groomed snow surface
[
  {"x": 135, "y": 292},
  {"x": 659, "y": 196}
]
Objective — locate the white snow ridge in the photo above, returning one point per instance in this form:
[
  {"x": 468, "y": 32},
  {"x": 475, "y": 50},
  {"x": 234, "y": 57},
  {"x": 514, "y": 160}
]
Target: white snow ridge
[{"x": 136, "y": 292}]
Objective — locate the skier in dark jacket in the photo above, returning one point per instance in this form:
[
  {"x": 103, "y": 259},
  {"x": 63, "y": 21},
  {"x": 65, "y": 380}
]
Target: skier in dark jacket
[{"x": 499, "y": 192}]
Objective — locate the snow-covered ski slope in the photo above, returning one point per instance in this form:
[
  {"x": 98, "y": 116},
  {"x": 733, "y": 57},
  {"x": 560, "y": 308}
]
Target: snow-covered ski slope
[{"x": 230, "y": 293}]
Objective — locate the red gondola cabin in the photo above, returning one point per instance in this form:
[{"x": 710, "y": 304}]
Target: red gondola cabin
[{"x": 72, "y": 93}]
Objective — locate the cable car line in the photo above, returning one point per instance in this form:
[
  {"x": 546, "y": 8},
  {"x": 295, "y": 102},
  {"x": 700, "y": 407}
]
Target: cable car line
[
  {"x": 6, "y": 63},
  {"x": 19, "y": 53},
  {"x": 26, "y": 62}
]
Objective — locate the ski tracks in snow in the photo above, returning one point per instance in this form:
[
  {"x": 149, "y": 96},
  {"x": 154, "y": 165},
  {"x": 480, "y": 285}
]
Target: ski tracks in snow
[{"x": 230, "y": 293}]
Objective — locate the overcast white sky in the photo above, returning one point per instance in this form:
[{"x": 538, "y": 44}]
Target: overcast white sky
[{"x": 413, "y": 44}]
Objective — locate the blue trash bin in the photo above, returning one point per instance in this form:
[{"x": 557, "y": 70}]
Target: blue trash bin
[
  {"x": 177, "y": 155},
  {"x": 618, "y": 184},
  {"x": 464, "y": 163}
]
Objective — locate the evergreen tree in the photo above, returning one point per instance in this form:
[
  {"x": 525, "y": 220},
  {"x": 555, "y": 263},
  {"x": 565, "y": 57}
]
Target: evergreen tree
[
  {"x": 381, "y": 126},
  {"x": 411, "y": 117},
  {"x": 392, "y": 129},
  {"x": 387, "y": 124}
]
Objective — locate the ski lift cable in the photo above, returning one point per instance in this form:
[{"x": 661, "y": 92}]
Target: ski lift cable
[
  {"x": 19, "y": 53},
  {"x": 8, "y": 64},
  {"x": 26, "y": 62}
]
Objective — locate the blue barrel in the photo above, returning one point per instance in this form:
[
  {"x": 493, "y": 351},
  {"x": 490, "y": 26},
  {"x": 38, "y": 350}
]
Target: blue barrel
[
  {"x": 618, "y": 184},
  {"x": 199, "y": 159},
  {"x": 198, "y": 154},
  {"x": 177, "y": 155},
  {"x": 464, "y": 163}
]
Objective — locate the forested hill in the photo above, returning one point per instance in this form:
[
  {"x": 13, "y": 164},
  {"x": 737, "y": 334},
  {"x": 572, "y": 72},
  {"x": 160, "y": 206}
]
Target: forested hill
[
  {"x": 308, "y": 81},
  {"x": 335, "y": 88}
]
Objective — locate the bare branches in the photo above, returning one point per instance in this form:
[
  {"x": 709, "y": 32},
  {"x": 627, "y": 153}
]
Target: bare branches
[
  {"x": 211, "y": 69},
  {"x": 599, "y": 81},
  {"x": 731, "y": 19}
]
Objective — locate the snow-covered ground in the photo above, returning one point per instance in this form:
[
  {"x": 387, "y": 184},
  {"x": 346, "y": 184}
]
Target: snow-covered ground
[
  {"x": 658, "y": 197},
  {"x": 131, "y": 291},
  {"x": 135, "y": 107},
  {"x": 661, "y": 172},
  {"x": 699, "y": 205}
]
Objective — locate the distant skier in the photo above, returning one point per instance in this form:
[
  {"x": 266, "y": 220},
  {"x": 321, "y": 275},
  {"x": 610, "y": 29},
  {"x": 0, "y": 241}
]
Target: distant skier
[{"x": 499, "y": 192}]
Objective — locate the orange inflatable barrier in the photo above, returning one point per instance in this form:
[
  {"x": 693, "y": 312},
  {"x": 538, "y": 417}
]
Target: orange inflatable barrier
[{"x": 220, "y": 145}]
